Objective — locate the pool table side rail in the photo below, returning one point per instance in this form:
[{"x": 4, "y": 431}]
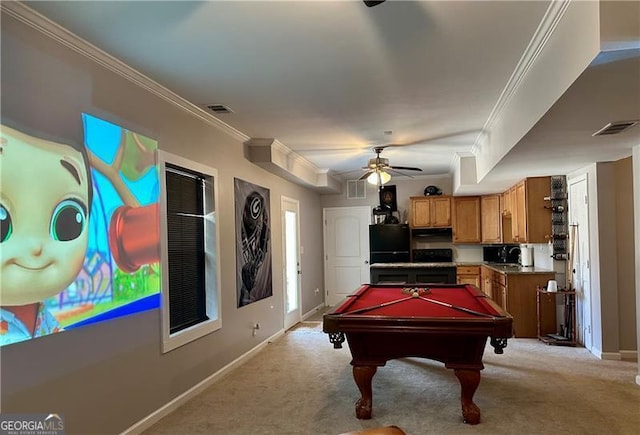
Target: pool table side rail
[
  {"x": 501, "y": 316},
  {"x": 496, "y": 327}
]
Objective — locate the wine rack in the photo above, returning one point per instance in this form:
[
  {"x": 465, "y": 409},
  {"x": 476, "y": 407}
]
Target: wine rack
[{"x": 559, "y": 217}]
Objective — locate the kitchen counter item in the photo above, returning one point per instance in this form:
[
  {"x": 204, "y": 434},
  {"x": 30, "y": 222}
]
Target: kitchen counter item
[{"x": 526, "y": 256}]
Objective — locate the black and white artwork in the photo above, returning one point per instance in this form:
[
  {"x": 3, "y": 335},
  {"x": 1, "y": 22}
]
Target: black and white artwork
[{"x": 253, "y": 243}]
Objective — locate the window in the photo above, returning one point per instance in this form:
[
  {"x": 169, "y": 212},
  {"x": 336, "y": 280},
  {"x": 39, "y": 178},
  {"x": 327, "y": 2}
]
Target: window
[{"x": 190, "y": 278}]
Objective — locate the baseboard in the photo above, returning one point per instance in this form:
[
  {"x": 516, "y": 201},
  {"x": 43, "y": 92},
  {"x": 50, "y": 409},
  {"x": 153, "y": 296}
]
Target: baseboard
[
  {"x": 622, "y": 355},
  {"x": 611, "y": 356},
  {"x": 174, "y": 404},
  {"x": 313, "y": 311},
  {"x": 629, "y": 355}
]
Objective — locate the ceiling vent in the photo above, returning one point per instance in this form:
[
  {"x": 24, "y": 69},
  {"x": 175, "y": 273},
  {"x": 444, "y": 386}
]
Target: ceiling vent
[
  {"x": 356, "y": 189},
  {"x": 219, "y": 108},
  {"x": 615, "y": 127}
]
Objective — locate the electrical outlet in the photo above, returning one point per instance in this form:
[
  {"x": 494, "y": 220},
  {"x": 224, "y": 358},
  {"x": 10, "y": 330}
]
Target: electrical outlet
[
  {"x": 256, "y": 326},
  {"x": 317, "y": 290}
]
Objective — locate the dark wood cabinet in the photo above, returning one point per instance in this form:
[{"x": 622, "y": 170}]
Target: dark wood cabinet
[{"x": 413, "y": 275}]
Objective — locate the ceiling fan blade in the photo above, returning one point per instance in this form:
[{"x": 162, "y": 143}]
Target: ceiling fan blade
[
  {"x": 393, "y": 171},
  {"x": 405, "y": 168},
  {"x": 365, "y": 175}
]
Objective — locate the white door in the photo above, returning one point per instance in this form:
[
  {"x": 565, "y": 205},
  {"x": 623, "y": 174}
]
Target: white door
[
  {"x": 581, "y": 275},
  {"x": 346, "y": 250},
  {"x": 292, "y": 271}
]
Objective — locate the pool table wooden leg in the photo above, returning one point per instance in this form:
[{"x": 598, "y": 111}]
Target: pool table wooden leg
[
  {"x": 469, "y": 381},
  {"x": 363, "y": 376}
]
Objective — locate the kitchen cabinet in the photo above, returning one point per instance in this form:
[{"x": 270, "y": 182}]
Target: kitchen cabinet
[
  {"x": 430, "y": 211},
  {"x": 466, "y": 219},
  {"x": 468, "y": 275},
  {"x": 517, "y": 294},
  {"x": 530, "y": 219},
  {"x": 507, "y": 203},
  {"x": 486, "y": 280},
  {"x": 491, "y": 219},
  {"x": 494, "y": 285}
]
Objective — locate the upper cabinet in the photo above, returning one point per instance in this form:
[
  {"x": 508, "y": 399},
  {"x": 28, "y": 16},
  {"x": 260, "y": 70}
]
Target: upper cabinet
[
  {"x": 491, "y": 219},
  {"x": 526, "y": 212},
  {"x": 430, "y": 211},
  {"x": 466, "y": 219}
]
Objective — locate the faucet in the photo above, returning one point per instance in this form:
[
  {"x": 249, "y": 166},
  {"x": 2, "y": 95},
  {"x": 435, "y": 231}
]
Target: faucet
[
  {"x": 506, "y": 251},
  {"x": 515, "y": 248}
]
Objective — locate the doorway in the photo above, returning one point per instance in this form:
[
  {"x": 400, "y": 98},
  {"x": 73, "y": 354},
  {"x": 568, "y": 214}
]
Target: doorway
[
  {"x": 291, "y": 251},
  {"x": 346, "y": 250},
  {"x": 581, "y": 274}
]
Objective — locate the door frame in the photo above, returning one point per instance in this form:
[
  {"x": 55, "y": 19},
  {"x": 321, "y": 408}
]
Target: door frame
[
  {"x": 584, "y": 304},
  {"x": 295, "y": 316}
]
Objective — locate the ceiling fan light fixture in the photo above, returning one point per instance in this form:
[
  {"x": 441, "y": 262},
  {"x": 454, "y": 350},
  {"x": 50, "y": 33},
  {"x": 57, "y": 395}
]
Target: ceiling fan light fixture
[{"x": 378, "y": 176}]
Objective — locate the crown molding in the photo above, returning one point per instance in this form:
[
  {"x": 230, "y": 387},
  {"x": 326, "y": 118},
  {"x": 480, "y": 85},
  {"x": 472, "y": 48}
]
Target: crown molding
[
  {"x": 279, "y": 159},
  {"x": 545, "y": 29},
  {"x": 37, "y": 21}
]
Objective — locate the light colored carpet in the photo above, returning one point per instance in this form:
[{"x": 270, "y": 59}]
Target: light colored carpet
[{"x": 301, "y": 385}]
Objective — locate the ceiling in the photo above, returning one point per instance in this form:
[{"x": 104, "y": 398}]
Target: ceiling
[{"x": 332, "y": 79}]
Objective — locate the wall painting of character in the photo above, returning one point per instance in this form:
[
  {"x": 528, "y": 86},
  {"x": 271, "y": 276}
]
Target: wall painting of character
[{"x": 79, "y": 233}]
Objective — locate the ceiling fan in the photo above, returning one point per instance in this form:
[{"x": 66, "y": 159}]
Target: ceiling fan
[{"x": 378, "y": 168}]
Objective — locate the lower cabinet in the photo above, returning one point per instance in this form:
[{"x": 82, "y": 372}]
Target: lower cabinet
[
  {"x": 516, "y": 293},
  {"x": 468, "y": 275}
]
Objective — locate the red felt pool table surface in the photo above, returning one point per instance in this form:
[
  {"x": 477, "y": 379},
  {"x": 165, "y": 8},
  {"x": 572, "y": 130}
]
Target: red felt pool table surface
[{"x": 396, "y": 301}]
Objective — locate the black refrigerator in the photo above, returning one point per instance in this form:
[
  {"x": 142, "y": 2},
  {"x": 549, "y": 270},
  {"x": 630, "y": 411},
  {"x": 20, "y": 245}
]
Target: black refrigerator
[{"x": 389, "y": 243}]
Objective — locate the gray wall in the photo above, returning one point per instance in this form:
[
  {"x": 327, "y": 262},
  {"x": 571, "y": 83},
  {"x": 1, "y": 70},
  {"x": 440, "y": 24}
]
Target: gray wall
[
  {"x": 612, "y": 252},
  {"x": 625, "y": 251},
  {"x": 108, "y": 376}
]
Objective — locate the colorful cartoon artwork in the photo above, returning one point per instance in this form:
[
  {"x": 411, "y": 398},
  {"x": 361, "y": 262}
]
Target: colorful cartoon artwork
[{"x": 79, "y": 233}]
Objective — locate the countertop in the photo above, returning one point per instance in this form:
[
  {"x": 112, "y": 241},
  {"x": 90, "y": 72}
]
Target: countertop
[{"x": 502, "y": 268}]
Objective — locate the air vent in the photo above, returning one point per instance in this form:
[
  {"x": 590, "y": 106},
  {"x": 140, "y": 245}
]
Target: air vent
[
  {"x": 356, "y": 189},
  {"x": 219, "y": 108},
  {"x": 615, "y": 127}
]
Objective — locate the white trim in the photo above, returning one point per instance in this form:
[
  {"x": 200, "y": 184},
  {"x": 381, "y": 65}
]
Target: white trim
[
  {"x": 212, "y": 272},
  {"x": 596, "y": 352},
  {"x": 314, "y": 310},
  {"x": 28, "y": 16},
  {"x": 192, "y": 392},
  {"x": 292, "y": 204},
  {"x": 545, "y": 29},
  {"x": 572, "y": 179}
]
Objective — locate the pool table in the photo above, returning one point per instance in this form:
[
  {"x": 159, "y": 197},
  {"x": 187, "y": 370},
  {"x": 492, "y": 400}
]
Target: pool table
[{"x": 444, "y": 322}]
